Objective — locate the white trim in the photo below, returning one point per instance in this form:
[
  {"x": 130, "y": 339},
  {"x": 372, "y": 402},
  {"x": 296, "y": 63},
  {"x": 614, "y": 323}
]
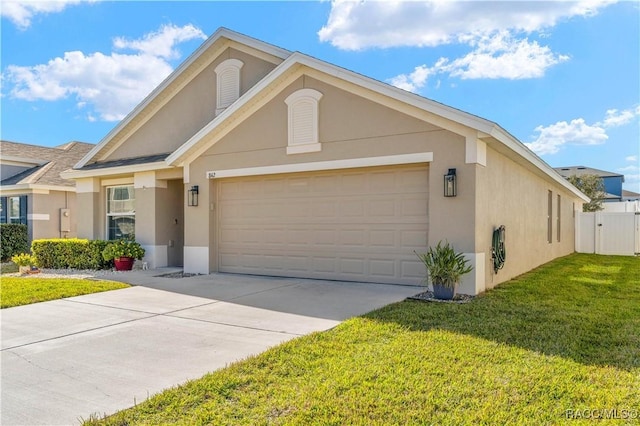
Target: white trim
[
  {"x": 38, "y": 216},
  {"x": 391, "y": 160},
  {"x": 126, "y": 181},
  {"x": 196, "y": 260},
  {"x": 118, "y": 170},
  {"x": 304, "y": 148},
  {"x": 186, "y": 173},
  {"x": 145, "y": 180},
  {"x": 34, "y": 188},
  {"x": 473, "y": 283},
  {"x": 155, "y": 256},
  {"x": 87, "y": 185},
  {"x": 8, "y": 160},
  {"x": 475, "y": 151}
]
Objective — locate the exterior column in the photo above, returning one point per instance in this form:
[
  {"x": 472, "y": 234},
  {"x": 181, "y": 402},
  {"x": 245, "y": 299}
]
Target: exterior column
[
  {"x": 88, "y": 208},
  {"x": 148, "y": 191}
]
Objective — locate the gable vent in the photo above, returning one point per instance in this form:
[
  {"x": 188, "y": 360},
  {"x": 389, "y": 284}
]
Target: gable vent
[
  {"x": 227, "y": 83},
  {"x": 303, "y": 121}
]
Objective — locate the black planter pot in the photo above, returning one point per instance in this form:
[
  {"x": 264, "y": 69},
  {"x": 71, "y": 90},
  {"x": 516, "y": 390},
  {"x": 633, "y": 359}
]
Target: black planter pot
[{"x": 443, "y": 292}]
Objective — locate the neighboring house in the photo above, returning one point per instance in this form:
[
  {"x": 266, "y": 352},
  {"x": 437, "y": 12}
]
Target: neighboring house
[
  {"x": 32, "y": 191},
  {"x": 612, "y": 181},
  {"x": 252, "y": 159}
]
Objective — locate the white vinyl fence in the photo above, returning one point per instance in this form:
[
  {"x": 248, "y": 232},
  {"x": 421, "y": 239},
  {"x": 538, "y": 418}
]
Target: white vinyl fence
[{"x": 608, "y": 233}]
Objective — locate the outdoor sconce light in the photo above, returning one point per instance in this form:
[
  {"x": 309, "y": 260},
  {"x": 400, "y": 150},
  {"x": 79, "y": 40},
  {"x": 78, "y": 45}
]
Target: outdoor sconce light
[
  {"x": 193, "y": 196},
  {"x": 450, "y": 189}
]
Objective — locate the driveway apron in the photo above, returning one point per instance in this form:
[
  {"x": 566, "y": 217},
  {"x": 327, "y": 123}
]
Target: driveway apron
[{"x": 64, "y": 360}]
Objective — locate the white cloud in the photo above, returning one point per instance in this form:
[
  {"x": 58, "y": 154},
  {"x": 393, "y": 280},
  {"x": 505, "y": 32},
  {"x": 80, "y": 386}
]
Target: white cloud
[
  {"x": 615, "y": 118},
  {"x": 495, "y": 32},
  {"x": 20, "y": 12},
  {"x": 417, "y": 79},
  {"x": 161, "y": 43},
  {"x": 497, "y": 56},
  {"x": 629, "y": 169},
  {"x": 577, "y": 132},
  {"x": 361, "y": 25},
  {"x": 111, "y": 85},
  {"x": 501, "y": 56}
]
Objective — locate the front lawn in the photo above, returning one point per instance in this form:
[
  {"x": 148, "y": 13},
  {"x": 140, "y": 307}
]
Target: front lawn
[
  {"x": 559, "y": 343},
  {"x": 16, "y": 291}
]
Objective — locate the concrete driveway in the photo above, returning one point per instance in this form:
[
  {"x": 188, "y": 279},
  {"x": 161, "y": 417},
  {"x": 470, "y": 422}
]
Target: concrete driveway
[{"x": 67, "y": 359}]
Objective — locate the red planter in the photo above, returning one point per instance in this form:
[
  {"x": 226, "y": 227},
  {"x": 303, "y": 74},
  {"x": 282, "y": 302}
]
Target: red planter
[{"x": 124, "y": 263}]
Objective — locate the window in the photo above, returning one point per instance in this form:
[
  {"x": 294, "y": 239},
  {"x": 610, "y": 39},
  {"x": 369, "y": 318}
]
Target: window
[
  {"x": 550, "y": 217},
  {"x": 303, "y": 121},
  {"x": 558, "y": 218},
  {"x": 121, "y": 213},
  {"x": 227, "y": 83},
  {"x": 13, "y": 209}
]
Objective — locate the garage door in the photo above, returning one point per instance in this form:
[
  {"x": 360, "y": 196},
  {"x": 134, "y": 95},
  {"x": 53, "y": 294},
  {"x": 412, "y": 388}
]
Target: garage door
[{"x": 356, "y": 225}]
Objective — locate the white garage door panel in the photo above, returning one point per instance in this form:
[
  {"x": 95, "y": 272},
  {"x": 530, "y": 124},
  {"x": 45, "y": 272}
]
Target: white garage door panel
[{"x": 361, "y": 225}]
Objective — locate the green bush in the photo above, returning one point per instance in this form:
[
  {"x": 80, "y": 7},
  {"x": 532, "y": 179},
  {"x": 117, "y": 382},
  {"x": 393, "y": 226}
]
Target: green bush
[
  {"x": 123, "y": 248},
  {"x": 75, "y": 253},
  {"x": 24, "y": 259},
  {"x": 13, "y": 240}
]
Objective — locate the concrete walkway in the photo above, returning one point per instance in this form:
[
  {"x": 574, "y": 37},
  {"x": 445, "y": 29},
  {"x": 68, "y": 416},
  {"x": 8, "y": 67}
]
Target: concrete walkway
[{"x": 67, "y": 359}]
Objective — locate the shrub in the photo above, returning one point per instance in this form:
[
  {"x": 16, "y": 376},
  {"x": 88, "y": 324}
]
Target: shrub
[
  {"x": 123, "y": 248},
  {"x": 75, "y": 253},
  {"x": 24, "y": 259},
  {"x": 13, "y": 240},
  {"x": 444, "y": 265}
]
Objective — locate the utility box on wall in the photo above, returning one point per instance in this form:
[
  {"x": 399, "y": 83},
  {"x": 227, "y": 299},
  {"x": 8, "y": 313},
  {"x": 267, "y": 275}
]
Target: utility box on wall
[{"x": 65, "y": 220}]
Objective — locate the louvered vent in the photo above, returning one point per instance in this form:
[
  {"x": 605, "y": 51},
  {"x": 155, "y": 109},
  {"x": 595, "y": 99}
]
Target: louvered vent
[
  {"x": 303, "y": 121},
  {"x": 228, "y": 83}
]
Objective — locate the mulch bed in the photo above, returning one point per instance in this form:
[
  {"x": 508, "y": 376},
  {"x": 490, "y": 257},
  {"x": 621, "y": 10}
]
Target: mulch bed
[{"x": 427, "y": 296}]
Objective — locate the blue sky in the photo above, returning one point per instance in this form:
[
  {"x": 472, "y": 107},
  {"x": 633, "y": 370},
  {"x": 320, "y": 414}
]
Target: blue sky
[{"x": 562, "y": 77}]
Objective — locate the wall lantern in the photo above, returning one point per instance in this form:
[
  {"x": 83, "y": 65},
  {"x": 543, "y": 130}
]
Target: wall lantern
[
  {"x": 450, "y": 187},
  {"x": 193, "y": 196}
]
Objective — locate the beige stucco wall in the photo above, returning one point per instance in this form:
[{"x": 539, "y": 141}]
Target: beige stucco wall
[
  {"x": 89, "y": 221},
  {"x": 510, "y": 195},
  {"x": 349, "y": 127},
  {"x": 41, "y": 205},
  {"x": 189, "y": 110},
  {"x": 159, "y": 217}
]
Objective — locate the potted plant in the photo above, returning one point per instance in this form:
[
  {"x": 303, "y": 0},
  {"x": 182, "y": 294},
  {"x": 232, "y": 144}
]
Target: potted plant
[
  {"x": 444, "y": 269},
  {"x": 26, "y": 263},
  {"x": 123, "y": 253}
]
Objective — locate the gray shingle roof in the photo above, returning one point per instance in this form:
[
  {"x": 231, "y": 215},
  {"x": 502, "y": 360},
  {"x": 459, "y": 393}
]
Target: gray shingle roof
[
  {"x": 126, "y": 162},
  {"x": 55, "y": 160},
  {"x": 582, "y": 170}
]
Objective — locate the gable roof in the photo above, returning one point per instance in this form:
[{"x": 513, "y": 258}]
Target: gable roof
[
  {"x": 450, "y": 118},
  {"x": 582, "y": 170},
  {"x": 444, "y": 116},
  {"x": 173, "y": 83},
  {"x": 46, "y": 163}
]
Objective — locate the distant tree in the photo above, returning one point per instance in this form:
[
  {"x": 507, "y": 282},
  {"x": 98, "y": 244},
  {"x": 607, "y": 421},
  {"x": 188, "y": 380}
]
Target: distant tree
[{"x": 593, "y": 187}]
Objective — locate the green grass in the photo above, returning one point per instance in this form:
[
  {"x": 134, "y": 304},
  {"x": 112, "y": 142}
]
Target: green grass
[
  {"x": 17, "y": 291},
  {"x": 563, "y": 337},
  {"x": 8, "y": 268}
]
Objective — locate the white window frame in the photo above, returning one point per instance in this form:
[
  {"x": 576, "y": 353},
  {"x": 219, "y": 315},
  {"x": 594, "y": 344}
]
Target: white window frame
[
  {"x": 10, "y": 218},
  {"x": 228, "y": 69},
  {"x": 306, "y": 139},
  {"x": 108, "y": 189}
]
